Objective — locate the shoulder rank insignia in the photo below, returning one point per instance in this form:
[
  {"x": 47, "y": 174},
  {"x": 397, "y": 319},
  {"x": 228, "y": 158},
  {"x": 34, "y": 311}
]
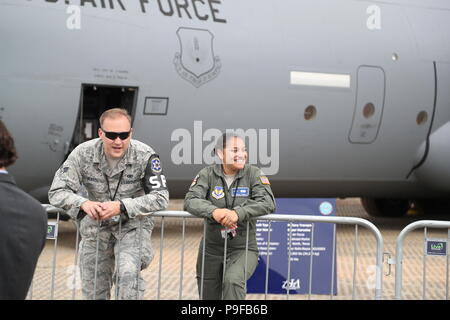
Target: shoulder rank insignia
[{"x": 194, "y": 182}]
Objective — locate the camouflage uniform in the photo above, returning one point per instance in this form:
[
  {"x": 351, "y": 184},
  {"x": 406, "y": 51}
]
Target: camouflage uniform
[
  {"x": 110, "y": 245},
  {"x": 252, "y": 197}
]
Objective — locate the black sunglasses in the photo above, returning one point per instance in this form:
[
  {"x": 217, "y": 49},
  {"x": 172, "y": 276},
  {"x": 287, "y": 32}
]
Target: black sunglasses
[{"x": 114, "y": 135}]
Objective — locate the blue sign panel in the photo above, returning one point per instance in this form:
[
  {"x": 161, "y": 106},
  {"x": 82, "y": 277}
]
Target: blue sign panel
[
  {"x": 436, "y": 247},
  {"x": 306, "y": 239}
]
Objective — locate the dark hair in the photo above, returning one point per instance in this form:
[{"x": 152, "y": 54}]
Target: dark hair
[
  {"x": 8, "y": 153},
  {"x": 221, "y": 142}
]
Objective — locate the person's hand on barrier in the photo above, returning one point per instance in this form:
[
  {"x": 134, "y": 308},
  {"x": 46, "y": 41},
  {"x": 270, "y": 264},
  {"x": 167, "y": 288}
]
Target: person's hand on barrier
[
  {"x": 92, "y": 209},
  {"x": 109, "y": 209},
  {"x": 219, "y": 214},
  {"x": 230, "y": 220}
]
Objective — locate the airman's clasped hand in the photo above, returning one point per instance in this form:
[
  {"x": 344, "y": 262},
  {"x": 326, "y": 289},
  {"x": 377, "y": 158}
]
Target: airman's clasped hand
[
  {"x": 227, "y": 218},
  {"x": 101, "y": 210},
  {"x": 109, "y": 213}
]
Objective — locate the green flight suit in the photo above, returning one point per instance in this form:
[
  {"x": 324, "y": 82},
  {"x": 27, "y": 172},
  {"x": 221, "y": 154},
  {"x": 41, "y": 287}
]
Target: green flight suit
[{"x": 253, "y": 197}]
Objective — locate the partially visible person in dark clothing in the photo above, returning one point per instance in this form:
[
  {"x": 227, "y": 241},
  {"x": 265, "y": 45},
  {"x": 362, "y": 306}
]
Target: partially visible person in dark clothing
[{"x": 23, "y": 228}]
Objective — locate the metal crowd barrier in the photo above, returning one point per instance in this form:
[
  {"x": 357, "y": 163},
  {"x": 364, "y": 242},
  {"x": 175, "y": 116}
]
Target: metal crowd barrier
[
  {"x": 441, "y": 244},
  {"x": 377, "y": 293},
  {"x": 52, "y": 234}
]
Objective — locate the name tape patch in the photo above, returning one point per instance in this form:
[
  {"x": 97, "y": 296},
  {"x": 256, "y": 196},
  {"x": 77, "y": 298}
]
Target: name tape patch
[{"x": 240, "y": 192}]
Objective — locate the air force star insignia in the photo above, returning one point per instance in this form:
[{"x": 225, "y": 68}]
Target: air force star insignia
[
  {"x": 156, "y": 165},
  {"x": 218, "y": 193}
]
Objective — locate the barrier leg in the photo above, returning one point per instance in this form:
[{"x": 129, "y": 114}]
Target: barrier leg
[
  {"x": 161, "y": 245},
  {"x": 180, "y": 295},
  {"x": 55, "y": 250}
]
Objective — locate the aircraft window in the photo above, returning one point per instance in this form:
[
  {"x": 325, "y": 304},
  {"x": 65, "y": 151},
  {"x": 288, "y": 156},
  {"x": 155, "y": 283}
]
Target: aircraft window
[
  {"x": 320, "y": 79},
  {"x": 310, "y": 112},
  {"x": 369, "y": 110},
  {"x": 422, "y": 117},
  {"x": 156, "y": 106}
]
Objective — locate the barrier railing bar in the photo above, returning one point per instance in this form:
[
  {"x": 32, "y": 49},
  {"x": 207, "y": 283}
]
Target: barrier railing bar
[
  {"x": 75, "y": 275},
  {"x": 326, "y": 219},
  {"x": 117, "y": 291},
  {"x": 270, "y": 218},
  {"x": 447, "y": 272},
  {"x": 311, "y": 257},
  {"x": 52, "y": 209},
  {"x": 161, "y": 244},
  {"x": 344, "y": 220},
  {"x": 55, "y": 250},
  {"x": 399, "y": 248},
  {"x": 355, "y": 261},
  {"x": 246, "y": 256},
  {"x": 96, "y": 258},
  {"x": 224, "y": 260},
  {"x": 202, "y": 282},
  {"x": 424, "y": 269},
  {"x": 139, "y": 263},
  {"x": 288, "y": 280},
  {"x": 180, "y": 295},
  {"x": 268, "y": 260},
  {"x": 333, "y": 257}
]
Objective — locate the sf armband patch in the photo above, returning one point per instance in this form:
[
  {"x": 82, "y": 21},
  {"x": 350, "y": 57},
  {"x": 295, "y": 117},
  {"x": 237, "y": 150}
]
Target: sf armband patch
[
  {"x": 154, "y": 179},
  {"x": 157, "y": 182},
  {"x": 264, "y": 180}
]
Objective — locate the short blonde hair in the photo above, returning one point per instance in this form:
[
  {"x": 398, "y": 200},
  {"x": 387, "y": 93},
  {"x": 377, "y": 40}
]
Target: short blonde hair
[{"x": 114, "y": 113}]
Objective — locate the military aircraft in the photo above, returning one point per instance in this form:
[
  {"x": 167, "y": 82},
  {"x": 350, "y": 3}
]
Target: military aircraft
[{"x": 336, "y": 98}]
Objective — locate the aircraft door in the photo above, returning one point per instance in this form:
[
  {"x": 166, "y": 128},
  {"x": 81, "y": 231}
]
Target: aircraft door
[
  {"x": 95, "y": 99},
  {"x": 369, "y": 105}
]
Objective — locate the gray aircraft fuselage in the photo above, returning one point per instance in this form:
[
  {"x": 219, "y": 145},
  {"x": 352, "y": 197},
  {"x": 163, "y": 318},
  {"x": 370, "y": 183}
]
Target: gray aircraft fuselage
[{"x": 336, "y": 98}]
